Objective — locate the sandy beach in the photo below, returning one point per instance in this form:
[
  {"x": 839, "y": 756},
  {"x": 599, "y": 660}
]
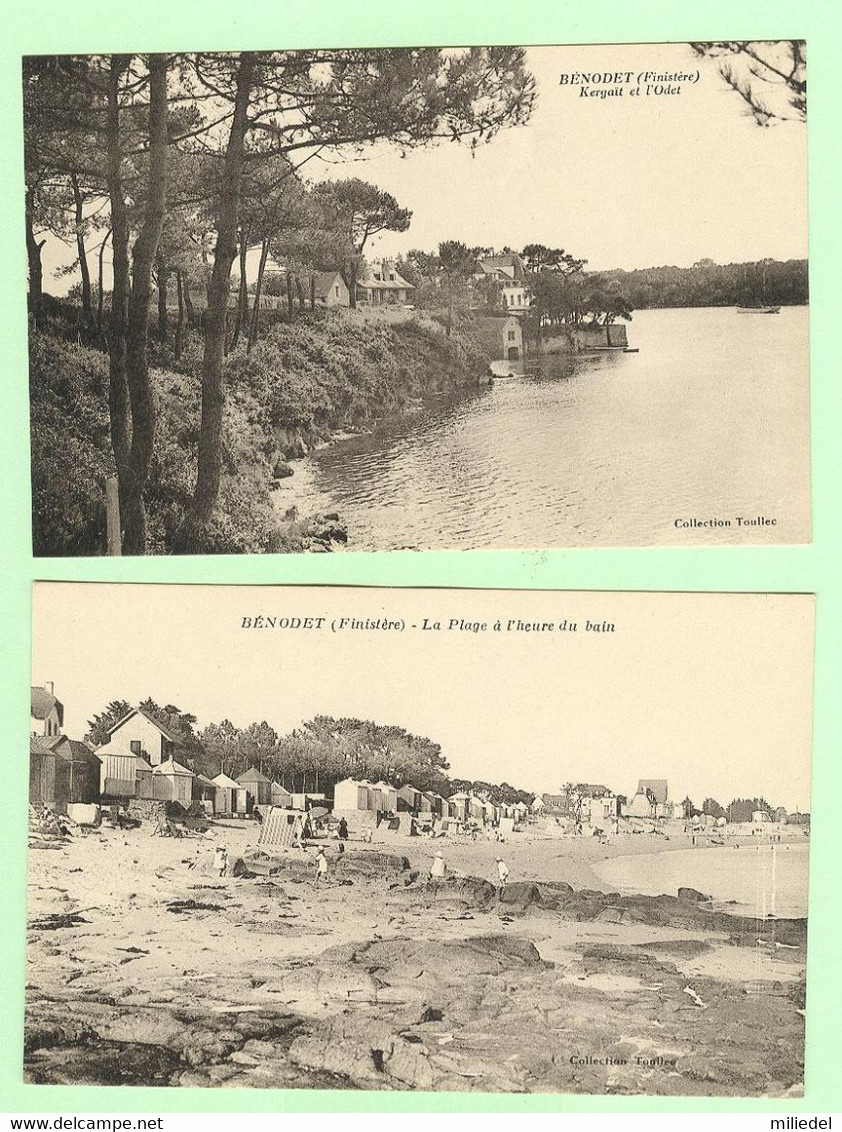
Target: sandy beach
[{"x": 146, "y": 967}]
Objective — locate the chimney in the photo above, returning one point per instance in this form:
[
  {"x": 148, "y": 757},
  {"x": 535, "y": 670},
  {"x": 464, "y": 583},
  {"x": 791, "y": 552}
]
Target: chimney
[{"x": 49, "y": 686}]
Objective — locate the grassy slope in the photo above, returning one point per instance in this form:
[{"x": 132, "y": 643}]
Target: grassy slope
[{"x": 301, "y": 382}]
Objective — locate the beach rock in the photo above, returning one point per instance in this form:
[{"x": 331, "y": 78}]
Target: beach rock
[
  {"x": 282, "y": 470},
  {"x": 692, "y": 894},
  {"x": 104, "y": 1063},
  {"x": 522, "y": 894},
  {"x": 464, "y": 892},
  {"x": 239, "y": 868}
]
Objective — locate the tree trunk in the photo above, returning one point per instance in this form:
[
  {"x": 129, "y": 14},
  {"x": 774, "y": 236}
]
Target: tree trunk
[
  {"x": 213, "y": 394},
  {"x": 36, "y": 270},
  {"x": 299, "y": 290},
  {"x": 352, "y": 284},
  {"x": 179, "y": 326},
  {"x": 118, "y": 393},
  {"x": 84, "y": 269},
  {"x": 289, "y": 297},
  {"x": 243, "y": 295},
  {"x": 141, "y": 394},
  {"x": 99, "y": 292},
  {"x": 188, "y": 302},
  {"x": 312, "y": 291},
  {"x": 258, "y": 290},
  {"x": 162, "y": 276}
]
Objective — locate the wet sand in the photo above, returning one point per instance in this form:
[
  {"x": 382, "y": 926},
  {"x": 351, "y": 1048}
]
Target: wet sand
[{"x": 145, "y": 967}]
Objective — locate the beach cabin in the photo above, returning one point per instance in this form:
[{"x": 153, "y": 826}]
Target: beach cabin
[
  {"x": 538, "y": 804},
  {"x": 385, "y": 798},
  {"x": 42, "y": 773},
  {"x": 258, "y": 787},
  {"x": 77, "y": 772},
  {"x": 204, "y": 792},
  {"x": 409, "y": 799},
  {"x": 281, "y": 828},
  {"x": 172, "y": 782},
  {"x": 760, "y": 817},
  {"x": 122, "y": 774},
  {"x": 350, "y": 794},
  {"x": 459, "y": 805},
  {"x": 438, "y": 803},
  {"x": 279, "y": 796},
  {"x": 231, "y": 797},
  {"x": 306, "y": 801},
  {"x": 425, "y": 802}
]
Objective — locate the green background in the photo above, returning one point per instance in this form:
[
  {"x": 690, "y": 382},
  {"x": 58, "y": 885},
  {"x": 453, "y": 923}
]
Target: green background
[{"x": 44, "y": 26}]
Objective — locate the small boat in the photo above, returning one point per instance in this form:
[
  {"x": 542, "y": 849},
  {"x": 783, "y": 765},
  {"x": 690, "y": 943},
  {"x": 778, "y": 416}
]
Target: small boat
[{"x": 758, "y": 310}]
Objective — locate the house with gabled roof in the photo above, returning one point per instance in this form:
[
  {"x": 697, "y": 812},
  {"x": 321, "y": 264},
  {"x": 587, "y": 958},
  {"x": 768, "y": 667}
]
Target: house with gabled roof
[
  {"x": 331, "y": 290},
  {"x": 138, "y": 733},
  {"x": 509, "y": 273},
  {"x": 383, "y": 285},
  {"x": 46, "y": 714},
  {"x": 651, "y": 800}
]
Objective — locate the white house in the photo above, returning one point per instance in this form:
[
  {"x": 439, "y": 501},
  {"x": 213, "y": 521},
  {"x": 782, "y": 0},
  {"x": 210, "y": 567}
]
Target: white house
[
  {"x": 383, "y": 285},
  {"x": 46, "y": 713},
  {"x": 331, "y": 290},
  {"x": 508, "y": 271},
  {"x": 137, "y": 733},
  {"x": 651, "y": 800}
]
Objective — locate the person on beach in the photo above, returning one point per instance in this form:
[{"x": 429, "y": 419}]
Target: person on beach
[
  {"x": 502, "y": 872},
  {"x": 321, "y": 866},
  {"x": 343, "y": 830},
  {"x": 256, "y": 814},
  {"x": 437, "y": 869},
  {"x": 220, "y": 860}
]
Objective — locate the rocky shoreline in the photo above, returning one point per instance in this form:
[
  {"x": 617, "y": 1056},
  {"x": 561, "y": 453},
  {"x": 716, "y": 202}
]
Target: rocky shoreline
[{"x": 380, "y": 981}]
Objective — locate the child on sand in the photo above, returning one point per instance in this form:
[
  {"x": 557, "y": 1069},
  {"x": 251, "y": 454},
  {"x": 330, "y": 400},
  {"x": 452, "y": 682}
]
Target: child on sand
[
  {"x": 502, "y": 871},
  {"x": 220, "y": 860},
  {"x": 438, "y": 868},
  {"x": 321, "y": 866}
]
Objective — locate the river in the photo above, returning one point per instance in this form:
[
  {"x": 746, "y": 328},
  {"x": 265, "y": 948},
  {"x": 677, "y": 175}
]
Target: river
[
  {"x": 709, "y": 421},
  {"x": 760, "y": 879}
]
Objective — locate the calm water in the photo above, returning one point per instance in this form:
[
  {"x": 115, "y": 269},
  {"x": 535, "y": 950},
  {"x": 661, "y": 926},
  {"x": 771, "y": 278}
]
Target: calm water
[
  {"x": 709, "y": 420},
  {"x": 761, "y": 880}
]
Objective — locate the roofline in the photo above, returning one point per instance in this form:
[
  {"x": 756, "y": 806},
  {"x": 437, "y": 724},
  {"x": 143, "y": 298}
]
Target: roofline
[{"x": 147, "y": 716}]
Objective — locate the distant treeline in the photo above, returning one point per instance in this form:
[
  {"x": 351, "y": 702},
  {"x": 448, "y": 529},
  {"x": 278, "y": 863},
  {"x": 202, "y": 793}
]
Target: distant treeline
[{"x": 709, "y": 284}]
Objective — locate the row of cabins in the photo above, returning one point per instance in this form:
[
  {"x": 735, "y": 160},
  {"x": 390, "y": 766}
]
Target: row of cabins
[
  {"x": 136, "y": 761},
  {"x": 357, "y": 796}
]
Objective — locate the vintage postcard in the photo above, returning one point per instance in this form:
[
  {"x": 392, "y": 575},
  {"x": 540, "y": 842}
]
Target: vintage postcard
[
  {"x": 427, "y": 299},
  {"x": 476, "y": 841}
]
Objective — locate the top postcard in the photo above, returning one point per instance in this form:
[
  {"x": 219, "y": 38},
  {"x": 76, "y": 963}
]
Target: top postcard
[{"x": 418, "y": 299}]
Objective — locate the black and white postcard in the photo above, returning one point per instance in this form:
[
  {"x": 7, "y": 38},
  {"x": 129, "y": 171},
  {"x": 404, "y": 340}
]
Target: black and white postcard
[
  {"x": 418, "y": 299},
  {"x": 429, "y": 840}
]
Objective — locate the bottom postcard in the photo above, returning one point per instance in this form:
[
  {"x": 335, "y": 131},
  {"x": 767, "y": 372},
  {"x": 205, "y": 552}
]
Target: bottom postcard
[{"x": 440, "y": 840}]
